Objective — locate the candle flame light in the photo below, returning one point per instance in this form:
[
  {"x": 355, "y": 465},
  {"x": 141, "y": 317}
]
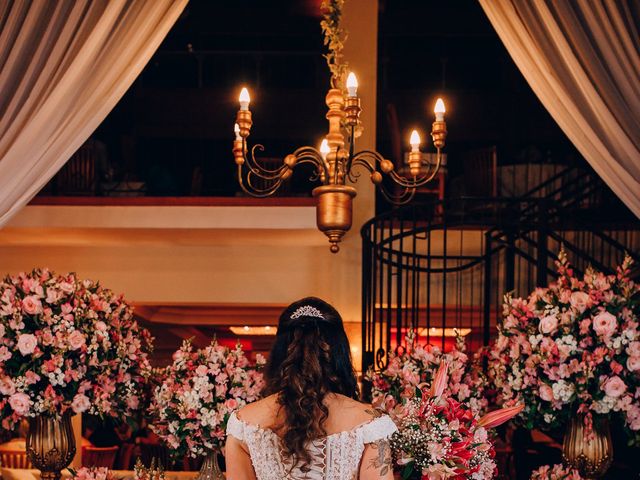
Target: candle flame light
[
  {"x": 439, "y": 110},
  {"x": 352, "y": 84},
  {"x": 244, "y": 99}
]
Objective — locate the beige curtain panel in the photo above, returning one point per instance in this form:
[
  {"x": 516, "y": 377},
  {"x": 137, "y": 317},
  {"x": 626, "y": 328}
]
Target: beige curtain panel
[
  {"x": 64, "y": 65},
  {"x": 582, "y": 59}
]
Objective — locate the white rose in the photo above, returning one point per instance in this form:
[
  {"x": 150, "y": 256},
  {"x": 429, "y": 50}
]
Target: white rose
[{"x": 27, "y": 343}]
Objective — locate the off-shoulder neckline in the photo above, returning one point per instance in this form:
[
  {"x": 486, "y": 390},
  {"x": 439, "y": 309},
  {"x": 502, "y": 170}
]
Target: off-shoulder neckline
[{"x": 351, "y": 431}]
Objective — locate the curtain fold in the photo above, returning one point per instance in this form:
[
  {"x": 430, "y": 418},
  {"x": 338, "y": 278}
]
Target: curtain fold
[
  {"x": 582, "y": 60},
  {"x": 64, "y": 65}
]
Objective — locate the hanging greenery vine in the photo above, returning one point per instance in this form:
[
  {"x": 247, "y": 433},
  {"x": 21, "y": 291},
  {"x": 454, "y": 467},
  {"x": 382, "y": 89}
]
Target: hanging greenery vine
[{"x": 334, "y": 38}]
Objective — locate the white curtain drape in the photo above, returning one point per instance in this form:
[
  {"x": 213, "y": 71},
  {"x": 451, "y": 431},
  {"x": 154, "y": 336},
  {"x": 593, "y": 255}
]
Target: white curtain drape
[
  {"x": 64, "y": 65},
  {"x": 582, "y": 60}
]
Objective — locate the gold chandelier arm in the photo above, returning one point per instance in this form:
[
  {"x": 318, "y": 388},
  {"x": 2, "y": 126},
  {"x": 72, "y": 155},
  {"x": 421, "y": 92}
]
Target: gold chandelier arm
[
  {"x": 368, "y": 159},
  {"x": 419, "y": 181},
  {"x": 405, "y": 197},
  {"x": 310, "y": 154},
  {"x": 359, "y": 161},
  {"x": 258, "y": 170},
  {"x": 250, "y": 189}
]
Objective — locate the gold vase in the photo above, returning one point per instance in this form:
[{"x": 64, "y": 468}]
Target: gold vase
[
  {"x": 210, "y": 469},
  {"x": 51, "y": 445},
  {"x": 591, "y": 456}
]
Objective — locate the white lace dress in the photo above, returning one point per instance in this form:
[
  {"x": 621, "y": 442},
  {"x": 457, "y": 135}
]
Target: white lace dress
[{"x": 335, "y": 457}]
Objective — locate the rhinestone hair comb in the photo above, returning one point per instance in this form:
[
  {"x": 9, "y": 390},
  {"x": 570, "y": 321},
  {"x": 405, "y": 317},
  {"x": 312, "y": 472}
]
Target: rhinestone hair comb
[{"x": 307, "y": 311}]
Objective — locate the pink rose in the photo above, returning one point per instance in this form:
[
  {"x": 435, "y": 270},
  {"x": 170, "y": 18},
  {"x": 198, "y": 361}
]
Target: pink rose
[
  {"x": 31, "y": 305},
  {"x": 80, "y": 403},
  {"x": 76, "y": 340},
  {"x": 20, "y": 402},
  {"x": 231, "y": 404},
  {"x": 27, "y": 343},
  {"x": 614, "y": 387},
  {"x": 546, "y": 393},
  {"x": 633, "y": 363},
  {"x": 202, "y": 370},
  {"x": 548, "y": 324},
  {"x": 101, "y": 326},
  {"x": 6, "y": 386},
  {"x": 605, "y": 324},
  {"x": 580, "y": 301},
  {"x": 66, "y": 287},
  {"x": 2, "y": 330}
]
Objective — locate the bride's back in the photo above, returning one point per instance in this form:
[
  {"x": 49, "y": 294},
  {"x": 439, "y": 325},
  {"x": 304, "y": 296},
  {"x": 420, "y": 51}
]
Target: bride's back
[
  {"x": 311, "y": 425},
  {"x": 344, "y": 414}
]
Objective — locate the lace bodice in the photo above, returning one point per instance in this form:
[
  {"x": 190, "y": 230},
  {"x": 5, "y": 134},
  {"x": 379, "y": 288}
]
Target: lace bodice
[{"x": 335, "y": 457}]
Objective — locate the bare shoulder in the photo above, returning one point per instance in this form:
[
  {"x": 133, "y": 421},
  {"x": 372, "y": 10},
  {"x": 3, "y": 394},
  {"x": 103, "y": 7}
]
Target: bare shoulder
[
  {"x": 353, "y": 411},
  {"x": 261, "y": 413}
]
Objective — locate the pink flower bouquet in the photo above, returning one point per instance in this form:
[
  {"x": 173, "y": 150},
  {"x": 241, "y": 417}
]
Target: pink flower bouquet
[
  {"x": 572, "y": 348},
  {"x": 93, "y": 473},
  {"x": 68, "y": 346},
  {"x": 200, "y": 390},
  {"x": 441, "y": 438},
  {"x": 416, "y": 366},
  {"x": 555, "y": 472}
]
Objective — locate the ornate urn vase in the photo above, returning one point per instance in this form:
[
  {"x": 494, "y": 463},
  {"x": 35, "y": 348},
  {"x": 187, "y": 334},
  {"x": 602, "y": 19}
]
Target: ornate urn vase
[
  {"x": 210, "y": 469},
  {"x": 50, "y": 445},
  {"x": 591, "y": 454}
]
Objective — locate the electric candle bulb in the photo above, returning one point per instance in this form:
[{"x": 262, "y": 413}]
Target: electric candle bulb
[
  {"x": 439, "y": 110},
  {"x": 244, "y": 99},
  {"x": 324, "y": 148},
  {"x": 236, "y": 130},
  {"x": 415, "y": 141},
  {"x": 352, "y": 84}
]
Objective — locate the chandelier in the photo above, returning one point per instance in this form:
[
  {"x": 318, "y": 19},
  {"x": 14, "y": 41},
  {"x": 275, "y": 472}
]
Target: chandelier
[{"x": 336, "y": 159}]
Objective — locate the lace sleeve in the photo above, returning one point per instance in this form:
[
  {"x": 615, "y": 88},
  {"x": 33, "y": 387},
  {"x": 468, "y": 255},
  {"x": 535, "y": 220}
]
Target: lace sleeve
[
  {"x": 378, "y": 429},
  {"x": 235, "y": 427}
]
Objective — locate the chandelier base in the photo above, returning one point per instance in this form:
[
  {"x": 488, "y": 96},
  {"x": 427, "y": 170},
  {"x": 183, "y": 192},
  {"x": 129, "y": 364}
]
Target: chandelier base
[{"x": 333, "y": 212}]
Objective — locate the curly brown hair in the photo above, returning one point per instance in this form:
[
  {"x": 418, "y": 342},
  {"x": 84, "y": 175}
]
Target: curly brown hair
[{"x": 310, "y": 359}]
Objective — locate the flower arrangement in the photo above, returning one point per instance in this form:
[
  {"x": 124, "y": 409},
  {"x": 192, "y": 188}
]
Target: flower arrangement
[
  {"x": 140, "y": 472},
  {"x": 416, "y": 366},
  {"x": 93, "y": 473},
  {"x": 200, "y": 390},
  {"x": 441, "y": 438},
  {"x": 573, "y": 347},
  {"x": 67, "y": 346},
  {"x": 555, "y": 472}
]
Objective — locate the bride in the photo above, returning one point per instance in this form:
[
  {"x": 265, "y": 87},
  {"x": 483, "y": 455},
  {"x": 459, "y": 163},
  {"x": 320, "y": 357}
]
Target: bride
[{"x": 311, "y": 426}]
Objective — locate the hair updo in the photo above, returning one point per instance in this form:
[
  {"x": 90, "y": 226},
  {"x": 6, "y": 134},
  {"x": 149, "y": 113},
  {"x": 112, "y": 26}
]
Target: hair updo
[{"x": 310, "y": 359}]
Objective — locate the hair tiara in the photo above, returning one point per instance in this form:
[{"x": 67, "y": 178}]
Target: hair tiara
[{"x": 307, "y": 311}]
